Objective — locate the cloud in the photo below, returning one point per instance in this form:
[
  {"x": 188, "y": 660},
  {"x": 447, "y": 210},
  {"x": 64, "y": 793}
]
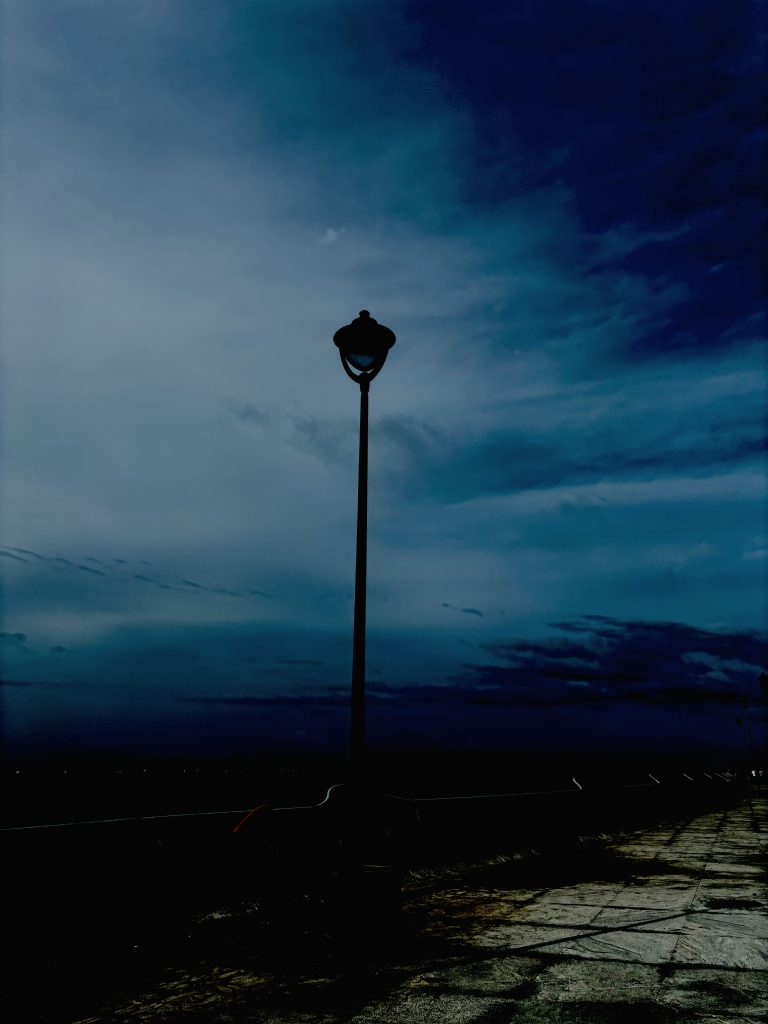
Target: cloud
[
  {"x": 331, "y": 235},
  {"x": 16, "y": 558},
  {"x": 250, "y": 414},
  {"x": 612, "y": 662},
  {"x": 333, "y": 441},
  {"x": 664, "y": 663},
  {"x": 467, "y": 611},
  {"x": 14, "y": 641},
  {"x": 648, "y": 118},
  {"x": 161, "y": 580}
]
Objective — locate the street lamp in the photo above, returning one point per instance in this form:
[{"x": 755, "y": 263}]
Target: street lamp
[{"x": 363, "y": 346}]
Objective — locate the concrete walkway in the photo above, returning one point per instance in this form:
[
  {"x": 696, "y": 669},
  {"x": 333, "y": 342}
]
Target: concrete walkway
[
  {"x": 679, "y": 933},
  {"x": 684, "y": 938}
]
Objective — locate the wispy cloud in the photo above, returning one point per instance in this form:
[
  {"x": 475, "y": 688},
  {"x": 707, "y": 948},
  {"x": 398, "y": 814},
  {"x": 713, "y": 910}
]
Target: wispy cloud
[{"x": 466, "y": 611}]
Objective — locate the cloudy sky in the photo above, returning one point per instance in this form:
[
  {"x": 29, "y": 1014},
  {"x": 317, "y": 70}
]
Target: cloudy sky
[{"x": 557, "y": 206}]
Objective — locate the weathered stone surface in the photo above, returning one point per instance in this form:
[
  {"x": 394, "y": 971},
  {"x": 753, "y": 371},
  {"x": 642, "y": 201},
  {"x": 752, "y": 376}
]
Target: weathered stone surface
[
  {"x": 655, "y": 899},
  {"x": 602, "y": 981},
  {"x": 407, "y": 1007},
  {"x": 503, "y": 977},
  {"x": 518, "y": 936},
  {"x": 547, "y": 911},
  {"x": 732, "y": 922},
  {"x": 646, "y": 919},
  {"x": 594, "y": 894},
  {"x": 631, "y": 947},
  {"x": 713, "y": 991},
  {"x": 698, "y": 945}
]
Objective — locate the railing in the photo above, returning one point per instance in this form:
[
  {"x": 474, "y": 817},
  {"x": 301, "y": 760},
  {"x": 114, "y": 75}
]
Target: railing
[{"x": 339, "y": 796}]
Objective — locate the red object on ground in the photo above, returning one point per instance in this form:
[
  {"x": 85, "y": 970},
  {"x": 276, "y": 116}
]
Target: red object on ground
[{"x": 259, "y": 807}]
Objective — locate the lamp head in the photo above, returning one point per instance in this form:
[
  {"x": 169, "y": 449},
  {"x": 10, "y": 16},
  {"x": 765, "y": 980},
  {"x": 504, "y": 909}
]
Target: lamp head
[{"x": 363, "y": 345}]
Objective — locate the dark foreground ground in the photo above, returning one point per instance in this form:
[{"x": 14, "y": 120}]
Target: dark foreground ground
[{"x": 659, "y": 918}]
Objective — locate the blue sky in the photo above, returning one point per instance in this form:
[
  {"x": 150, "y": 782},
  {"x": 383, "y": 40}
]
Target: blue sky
[{"x": 558, "y": 209}]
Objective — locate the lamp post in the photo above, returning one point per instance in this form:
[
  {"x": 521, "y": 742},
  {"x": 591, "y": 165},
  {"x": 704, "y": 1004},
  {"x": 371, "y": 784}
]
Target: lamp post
[{"x": 363, "y": 346}]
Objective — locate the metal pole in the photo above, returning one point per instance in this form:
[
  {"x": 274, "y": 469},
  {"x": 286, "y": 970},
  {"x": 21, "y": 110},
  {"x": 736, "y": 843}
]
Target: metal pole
[
  {"x": 751, "y": 746},
  {"x": 357, "y": 728},
  {"x": 742, "y": 745}
]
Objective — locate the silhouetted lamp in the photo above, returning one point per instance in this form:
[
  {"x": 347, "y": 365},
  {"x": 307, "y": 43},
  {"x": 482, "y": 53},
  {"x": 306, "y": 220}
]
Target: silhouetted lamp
[{"x": 363, "y": 346}]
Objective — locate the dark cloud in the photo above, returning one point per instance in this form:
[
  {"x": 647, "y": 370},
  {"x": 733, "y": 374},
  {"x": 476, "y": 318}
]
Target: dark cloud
[
  {"x": 160, "y": 581},
  {"x": 615, "y": 662},
  {"x": 16, "y": 558},
  {"x": 413, "y": 438},
  {"x": 649, "y": 115},
  {"x": 467, "y": 611},
  {"x": 719, "y": 434},
  {"x": 87, "y": 568},
  {"x": 624, "y": 662},
  {"x": 26, "y": 551},
  {"x": 333, "y": 441},
  {"x": 249, "y": 413},
  {"x": 14, "y": 641}
]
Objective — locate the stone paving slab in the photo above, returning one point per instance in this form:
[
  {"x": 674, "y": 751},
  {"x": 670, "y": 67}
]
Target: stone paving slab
[
  {"x": 545, "y": 911},
  {"x": 733, "y": 892},
  {"x": 595, "y": 895},
  {"x": 627, "y": 946},
  {"x": 704, "y": 946},
  {"x": 731, "y": 922},
  {"x": 640, "y": 919}
]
